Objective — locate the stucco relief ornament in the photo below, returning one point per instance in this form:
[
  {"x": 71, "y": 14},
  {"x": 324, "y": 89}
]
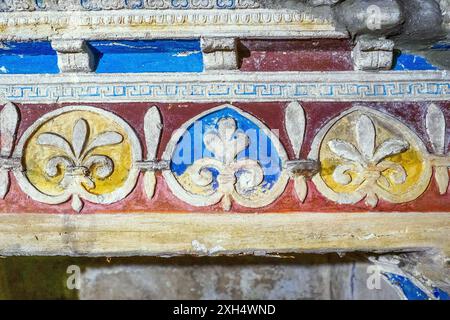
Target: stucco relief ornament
[
  {"x": 78, "y": 153},
  {"x": 226, "y": 144},
  {"x": 436, "y": 129},
  {"x": 152, "y": 130},
  {"x": 366, "y": 162},
  {"x": 300, "y": 170},
  {"x": 79, "y": 159},
  {"x": 233, "y": 167},
  {"x": 367, "y": 154},
  {"x": 9, "y": 121}
]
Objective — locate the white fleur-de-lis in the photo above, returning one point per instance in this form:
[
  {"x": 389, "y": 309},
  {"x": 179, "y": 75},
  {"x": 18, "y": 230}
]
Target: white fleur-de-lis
[
  {"x": 368, "y": 161},
  {"x": 436, "y": 129},
  {"x": 9, "y": 120},
  {"x": 226, "y": 143},
  {"x": 78, "y": 159}
]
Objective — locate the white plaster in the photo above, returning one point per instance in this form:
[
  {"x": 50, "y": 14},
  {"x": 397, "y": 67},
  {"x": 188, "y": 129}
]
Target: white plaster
[
  {"x": 437, "y": 131},
  {"x": 9, "y": 121},
  {"x": 152, "y": 131},
  {"x": 373, "y": 54},
  {"x": 73, "y": 56},
  {"x": 295, "y": 122},
  {"x": 436, "y": 128}
]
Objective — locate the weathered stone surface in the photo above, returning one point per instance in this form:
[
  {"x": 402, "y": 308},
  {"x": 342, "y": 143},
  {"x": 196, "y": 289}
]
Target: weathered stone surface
[
  {"x": 220, "y": 53},
  {"x": 74, "y": 56},
  {"x": 423, "y": 20},
  {"x": 377, "y": 17},
  {"x": 305, "y": 277},
  {"x": 373, "y": 53}
]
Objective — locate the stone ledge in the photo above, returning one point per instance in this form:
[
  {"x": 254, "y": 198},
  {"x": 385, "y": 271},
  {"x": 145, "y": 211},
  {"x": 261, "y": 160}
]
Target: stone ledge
[{"x": 221, "y": 234}]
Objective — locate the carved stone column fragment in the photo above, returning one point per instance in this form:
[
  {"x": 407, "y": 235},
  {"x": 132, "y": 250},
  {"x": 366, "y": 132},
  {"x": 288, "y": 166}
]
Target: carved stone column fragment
[
  {"x": 220, "y": 53},
  {"x": 73, "y": 56},
  {"x": 373, "y": 53}
]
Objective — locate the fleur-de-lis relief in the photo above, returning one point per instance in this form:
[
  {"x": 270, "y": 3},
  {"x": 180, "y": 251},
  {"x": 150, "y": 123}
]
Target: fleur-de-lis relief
[
  {"x": 436, "y": 129},
  {"x": 240, "y": 176},
  {"x": 368, "y": 162},
  {"x": 9, "y": 120},
  {"x": 295, "y": 122},
  {"x": 78, "y": 159}
]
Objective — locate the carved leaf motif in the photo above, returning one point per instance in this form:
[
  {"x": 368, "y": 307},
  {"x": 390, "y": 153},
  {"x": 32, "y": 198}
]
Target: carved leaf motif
[
  {"x": 104, "y": 166},
  {"x": 389, "y": 148},
  {"x": 341, "y": 174},
  {"x": 104, "y": 139},
  {"x": 301, "y": 188},
  {"x": 295, "y": 123},
  {"x": 149, "y": 184},
  {"x": 251, "y": 176},
  {"x": 365, "y": 136},
  {"x": 214, "y": 144},
  {"x": 54, "y": 140},
  {"x": 77, "y": 204},
  {"x": 152, "y": 130},
  {"x": 9, "y": 120},
  {"x": 51, "y": 169},
  {"x": 79, "y": 136},
  {"x": 442, "y": 179},
  {"x": 436, "y": 128},
  {"x": 371, "y": 200},
  {"x": 345, "y": 150},
  {"x": 397, "y": 174},
  {"x": 4, "y": 183},
  {"x": 226, "y": 143}
]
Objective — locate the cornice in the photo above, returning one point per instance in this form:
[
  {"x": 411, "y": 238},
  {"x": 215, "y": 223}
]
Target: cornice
[{"x": 152, "y": 24}]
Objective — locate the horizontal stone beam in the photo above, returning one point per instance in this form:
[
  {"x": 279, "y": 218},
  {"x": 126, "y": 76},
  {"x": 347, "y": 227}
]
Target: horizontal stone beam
[{"x": 221, "y": 234}]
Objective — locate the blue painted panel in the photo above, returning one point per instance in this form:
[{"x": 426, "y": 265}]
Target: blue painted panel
[
  {"x": 28, "y": 58},
  {"x": 148, "y": 56},
  {"x": 191, "y": 147},
  {"x": 406, "y": 61}
]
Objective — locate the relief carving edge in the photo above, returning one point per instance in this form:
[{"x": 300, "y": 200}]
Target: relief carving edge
[{"x": 9, "y": 122}]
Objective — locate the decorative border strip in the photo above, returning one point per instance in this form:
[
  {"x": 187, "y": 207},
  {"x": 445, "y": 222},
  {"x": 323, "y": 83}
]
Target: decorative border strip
[
  {"x": 31, "y": 5},
  {"x": 203, "y": 234},
  {"x": 86, "y": 153},
  {"x": 154, "y": 24},
  {"x": 228, "y": 86}
]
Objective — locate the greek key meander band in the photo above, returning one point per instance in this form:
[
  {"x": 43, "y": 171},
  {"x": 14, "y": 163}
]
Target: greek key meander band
[
  {"x": 84, "y": 153},
  {"x": 232, "y": 86}
]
